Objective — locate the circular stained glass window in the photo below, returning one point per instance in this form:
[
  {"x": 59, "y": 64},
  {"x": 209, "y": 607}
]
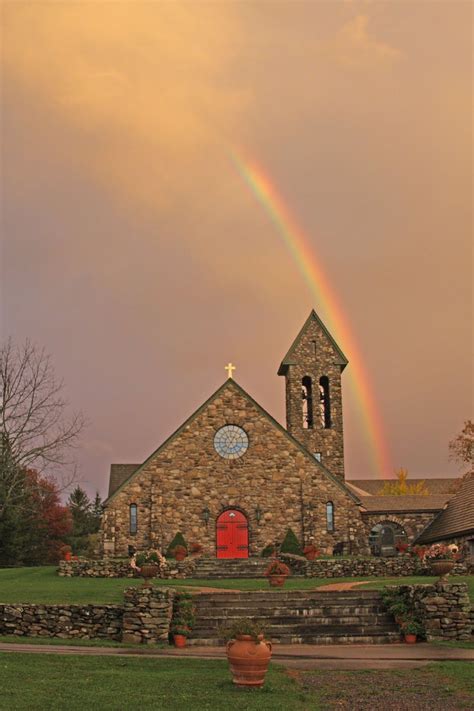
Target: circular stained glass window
[{"x": 231, "y": 442}]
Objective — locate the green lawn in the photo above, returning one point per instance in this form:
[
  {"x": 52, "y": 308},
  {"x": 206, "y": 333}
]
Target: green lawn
[
  {"x": 55, "y": 683},
  {"x": 46, "y": 682},
  {"x": 43, "y": 585}
]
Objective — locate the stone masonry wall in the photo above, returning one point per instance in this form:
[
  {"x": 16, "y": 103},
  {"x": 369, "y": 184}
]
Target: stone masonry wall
[
  {"x": 63, "y": 621},
  {"x": 367, "y": 567},
  {"x": 315, "y": 356},
  {"x": 444, "y": 608},
  {"x": 274, "y": 476},
  {"x": 144, "y": 618},
  {"x": 118, "y": 568},
  {"x": 412, "y": 521}
]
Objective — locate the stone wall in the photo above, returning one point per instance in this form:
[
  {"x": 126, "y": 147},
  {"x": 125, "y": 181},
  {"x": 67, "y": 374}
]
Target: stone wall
[
  {"x": 444, "y": 609},
  {"x": 315, "y": 355},
  {"x": 144, "y": 617},
  {"x": 367, "y": 567},
  {"x": 63, "y": 621},
  {"x": 414, "y": 522},
  {"x": 275, "y": 477},
  {"x": 147, "y": 615},
  {"x": 119, "y": 568}
]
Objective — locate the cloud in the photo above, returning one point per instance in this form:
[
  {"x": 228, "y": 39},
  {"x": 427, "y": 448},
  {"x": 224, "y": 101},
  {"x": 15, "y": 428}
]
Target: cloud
[{"x": 353, "y": 45}]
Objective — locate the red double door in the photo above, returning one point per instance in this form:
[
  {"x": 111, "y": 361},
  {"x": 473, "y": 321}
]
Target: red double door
[{"x": 232, "y": 535}]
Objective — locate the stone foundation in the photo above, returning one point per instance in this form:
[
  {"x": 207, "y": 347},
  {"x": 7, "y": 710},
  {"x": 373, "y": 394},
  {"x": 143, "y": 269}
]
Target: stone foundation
[
  {"x": 118, "y": 568},
  {"x": 144, "y": 617}
]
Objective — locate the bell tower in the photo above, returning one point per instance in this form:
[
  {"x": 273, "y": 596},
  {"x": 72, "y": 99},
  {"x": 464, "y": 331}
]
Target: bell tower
[{"x": 312, "y": 368}]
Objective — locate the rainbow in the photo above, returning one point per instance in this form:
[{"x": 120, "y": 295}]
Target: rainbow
[{"x": 299, "y": 246}]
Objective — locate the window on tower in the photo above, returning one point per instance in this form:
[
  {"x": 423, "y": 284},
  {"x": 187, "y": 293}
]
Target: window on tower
[
  {"x": 307, "y": 397},
  {"x": 324, "y": 402}
]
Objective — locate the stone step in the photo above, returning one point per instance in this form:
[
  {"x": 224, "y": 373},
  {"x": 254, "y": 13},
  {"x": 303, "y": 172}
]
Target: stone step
[
  {"x": 209, "y": 621},
  {"x": 384, "y": 638},
  {"x": 282, "y": 594}
]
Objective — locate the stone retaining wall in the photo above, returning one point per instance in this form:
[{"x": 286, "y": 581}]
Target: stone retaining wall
[
  {"x": 144, "y": 617},
  {"x": 444, "y": 609},
  {"x": 398, "y": 566},
  {"x": 118, "y": 568}
]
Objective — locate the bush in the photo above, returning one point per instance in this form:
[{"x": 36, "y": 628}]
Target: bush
[
  {"x": 268, "y": 551},
  {"x": 291, "y": 544},
  {"x": 178, "y": 540}
]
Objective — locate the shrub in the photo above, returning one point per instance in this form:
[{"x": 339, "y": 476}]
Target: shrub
[
  {"x": 178, "y": 540},
  {"x": 291, "y": 544},
  {"x": 268, "y": 551}
]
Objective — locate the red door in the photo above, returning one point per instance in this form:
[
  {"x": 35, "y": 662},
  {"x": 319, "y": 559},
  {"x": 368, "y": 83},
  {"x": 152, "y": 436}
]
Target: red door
[{"x": 232, "y": 535}]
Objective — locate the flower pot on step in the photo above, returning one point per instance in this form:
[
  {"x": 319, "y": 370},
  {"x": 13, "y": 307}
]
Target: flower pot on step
[
  {"x": 179, "y": 640},
  {"x": 249, "y": 659},
  {"x": 410, "y": 638},
  {"x": 442, "y": 568},
  {"x": 277, "y": 581}
]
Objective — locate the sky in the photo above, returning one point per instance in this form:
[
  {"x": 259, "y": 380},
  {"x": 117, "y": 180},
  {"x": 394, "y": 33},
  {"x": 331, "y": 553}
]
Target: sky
[{"x": 137, "y": 255}]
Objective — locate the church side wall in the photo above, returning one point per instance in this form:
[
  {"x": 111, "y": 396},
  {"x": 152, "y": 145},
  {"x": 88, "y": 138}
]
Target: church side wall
[{"x": 274, "y": 477}]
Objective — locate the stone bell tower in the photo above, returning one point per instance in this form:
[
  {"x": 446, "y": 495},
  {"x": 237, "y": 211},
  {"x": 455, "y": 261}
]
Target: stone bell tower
[{"x": 312, "y": 369}]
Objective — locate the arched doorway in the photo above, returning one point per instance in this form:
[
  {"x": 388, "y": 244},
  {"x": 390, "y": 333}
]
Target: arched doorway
[
  {"x": 232, "y": 535},
  {"x": 385, "y": 536}
]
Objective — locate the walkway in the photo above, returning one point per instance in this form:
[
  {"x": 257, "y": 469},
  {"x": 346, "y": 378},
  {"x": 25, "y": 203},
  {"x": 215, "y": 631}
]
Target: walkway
[{"x": 296, "y": 656}]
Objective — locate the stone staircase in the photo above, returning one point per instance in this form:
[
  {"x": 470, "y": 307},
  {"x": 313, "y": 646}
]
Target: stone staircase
[
  {"x": 230, "y": 568},
  {"x": 298, "y": 617}
]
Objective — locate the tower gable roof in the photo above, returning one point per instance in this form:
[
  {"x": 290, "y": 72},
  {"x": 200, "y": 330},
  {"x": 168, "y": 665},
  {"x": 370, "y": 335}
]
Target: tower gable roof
[
  {"x": 289, "y": 358},
  {"x": 230, "y": 382}
]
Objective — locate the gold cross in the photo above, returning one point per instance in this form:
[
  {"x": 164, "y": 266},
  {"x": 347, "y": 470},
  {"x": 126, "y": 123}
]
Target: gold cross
[{"x": 229, "y": 369}]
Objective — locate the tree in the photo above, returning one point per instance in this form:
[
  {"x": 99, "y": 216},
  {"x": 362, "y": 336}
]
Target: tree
[
  {"x": 401, "y": 487},
  {"x": 97, "y": 511},
  {"x": 37, "y": 436},
  {"x": 462, "y": 446},
  {"x": 35, "y": 430}
]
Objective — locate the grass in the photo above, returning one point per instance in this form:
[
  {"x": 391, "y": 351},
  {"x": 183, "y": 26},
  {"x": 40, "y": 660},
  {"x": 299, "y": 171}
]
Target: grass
[
  {"x": 55, "y": 682},
  {"x": 46, "y": 681},
  {"x": 43, "y": 585}
]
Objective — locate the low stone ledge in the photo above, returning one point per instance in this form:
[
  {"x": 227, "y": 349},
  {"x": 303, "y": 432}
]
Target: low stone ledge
[
  {"x": 119, "y": 568},
  {"x": 399, "y": 566}
]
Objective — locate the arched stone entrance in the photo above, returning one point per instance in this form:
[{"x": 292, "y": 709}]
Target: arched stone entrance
[{"x": 232, "y": 535}]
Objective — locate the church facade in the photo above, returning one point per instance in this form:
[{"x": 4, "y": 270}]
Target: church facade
[{"x": 233, "y": 480}]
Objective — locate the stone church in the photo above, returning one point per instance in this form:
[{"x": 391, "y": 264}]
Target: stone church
[{"x": 232, "y": 479}]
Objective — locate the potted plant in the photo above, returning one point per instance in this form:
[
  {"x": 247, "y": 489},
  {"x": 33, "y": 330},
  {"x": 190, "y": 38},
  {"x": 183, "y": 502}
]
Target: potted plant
[
  {"x": 247, "y": 651},
  {"x": 179, "y": 552},
  {"x": 310, "y": 552},
  {"x": 411, "y": 629},
  {"x": 277, "y": 572},
  {"x": 147, "y": 564},
  {"x": 441, "y": 559},
  {"x": 183, "y": 618}
]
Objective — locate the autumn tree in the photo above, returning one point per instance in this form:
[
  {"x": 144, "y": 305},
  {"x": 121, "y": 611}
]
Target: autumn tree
[
  {"x": 36, "y": 434},
  {"x": 401, "y": 486},
  {"x": 461, "y": 447}
]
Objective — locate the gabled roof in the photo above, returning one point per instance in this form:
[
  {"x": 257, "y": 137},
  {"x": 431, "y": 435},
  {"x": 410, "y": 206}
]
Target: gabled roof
[
  {"x": 230, "y": 382},
  {"x": 408, "y": 502},
  {"x": 456, "y": 519},
  {"x": 118, "y": 474},
  {"x": 372, "y": 487},
  {"x": 289, "y": 359}
]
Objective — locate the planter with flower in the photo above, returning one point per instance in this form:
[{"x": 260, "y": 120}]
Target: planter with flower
[
  {"x": 277, "y": 573},
  {"x": 183, "y": 618},
  {"x": 247, "y": 651},
  {"x": 441, "y": 559},
  {"x": 148, "y": 564},
  {"x": 179, "y": 552},
  {"x": 310, "y": 552},
  {"x": 411, "y": 630}
]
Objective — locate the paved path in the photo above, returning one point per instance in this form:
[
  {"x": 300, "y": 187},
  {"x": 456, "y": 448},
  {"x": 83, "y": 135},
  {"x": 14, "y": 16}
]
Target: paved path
[
  {"x": 297, "y": 656},
  {"x": 336, "y": 587}
]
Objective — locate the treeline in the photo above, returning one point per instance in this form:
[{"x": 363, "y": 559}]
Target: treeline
[{"x": 35, "y": 526}]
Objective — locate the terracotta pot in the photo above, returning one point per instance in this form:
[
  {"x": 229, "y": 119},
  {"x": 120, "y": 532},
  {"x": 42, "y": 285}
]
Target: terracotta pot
[
  {"x": 67, "y": 555},
  {"x": 442, "y": 568},
  {"x": 179, "y": 556},
  {"x": 248, "y": 659},
  {"x": 276, "y": 581},
  {"x": 410, "y": 638},
  {"x": 148, "y": 571},
  {"x": 311, "y": 556},
  {"x": 179, "y": 640}
]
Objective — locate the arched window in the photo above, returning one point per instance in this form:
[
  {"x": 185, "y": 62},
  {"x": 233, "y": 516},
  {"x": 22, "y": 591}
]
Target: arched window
[
  {"x": 307, "y": 396},
  {"x": 133, "y": 518},
  {"x": 324, "y": 402},
  {"x": 330, "y": 516},
  {"x": 385, "y": 537}
]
